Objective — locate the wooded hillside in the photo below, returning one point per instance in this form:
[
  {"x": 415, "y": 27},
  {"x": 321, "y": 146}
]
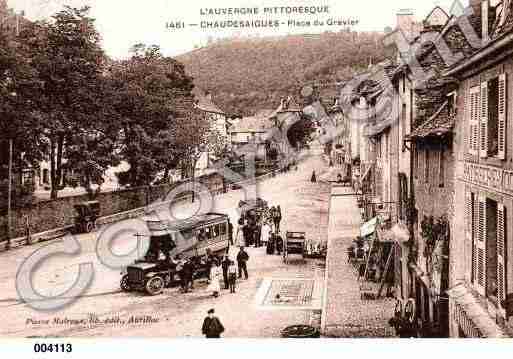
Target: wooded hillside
[{"x": 246, "y": 75}]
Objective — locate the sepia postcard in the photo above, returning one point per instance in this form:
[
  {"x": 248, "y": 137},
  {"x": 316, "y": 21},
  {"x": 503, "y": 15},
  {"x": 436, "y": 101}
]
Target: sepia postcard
[{"x": 256, "y": 169}]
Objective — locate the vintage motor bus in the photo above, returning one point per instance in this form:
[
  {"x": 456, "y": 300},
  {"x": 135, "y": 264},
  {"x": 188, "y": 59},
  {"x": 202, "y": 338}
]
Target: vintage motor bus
[{"x": 192, "y": 239}]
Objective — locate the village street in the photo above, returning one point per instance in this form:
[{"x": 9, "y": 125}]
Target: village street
[{"x": 245, "y": 314}]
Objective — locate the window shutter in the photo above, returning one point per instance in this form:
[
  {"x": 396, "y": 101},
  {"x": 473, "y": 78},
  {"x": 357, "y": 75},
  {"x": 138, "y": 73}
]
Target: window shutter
[
  {"x": 481, "y": 247},
  {"x": 502, "y": 116},
  {"x": 501, "y": 257},
  {"x": 469, "y": 230},
  {"x": 483, "y": 148},
  {"x": 473, "y": 136}
]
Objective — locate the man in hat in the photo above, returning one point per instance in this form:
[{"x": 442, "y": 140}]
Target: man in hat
[
  {"x": 230, "y": 233},
  {"x": 224, "y": 265},
  {"x": 212, "y": 327},
  {"x": 242, "y": 258}
]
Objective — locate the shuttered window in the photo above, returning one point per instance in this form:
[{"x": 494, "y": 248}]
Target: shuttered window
[
  {"x": 481, "y": 247},
  {"x": 501, "y": 253},
  {"x": 469, "y": 217},
  {"x": 473, "y": 135},
  {"x": 483, "y": 131},
  {"x": 502, "y": 113}
]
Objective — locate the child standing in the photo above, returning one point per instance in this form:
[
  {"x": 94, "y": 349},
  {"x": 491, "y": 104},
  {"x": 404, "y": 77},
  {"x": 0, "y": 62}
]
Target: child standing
[{"x": 232, "y": 276}]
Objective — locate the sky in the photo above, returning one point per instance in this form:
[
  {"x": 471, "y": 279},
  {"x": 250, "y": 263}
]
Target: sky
[{"x": 123, "y": 23}]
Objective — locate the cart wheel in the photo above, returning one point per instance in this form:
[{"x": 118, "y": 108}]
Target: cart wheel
[{"x": 89, "y": 227}]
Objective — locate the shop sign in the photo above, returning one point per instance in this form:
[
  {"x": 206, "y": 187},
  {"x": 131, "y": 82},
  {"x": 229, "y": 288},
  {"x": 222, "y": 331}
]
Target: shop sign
[{"x": 494, "y": 178}]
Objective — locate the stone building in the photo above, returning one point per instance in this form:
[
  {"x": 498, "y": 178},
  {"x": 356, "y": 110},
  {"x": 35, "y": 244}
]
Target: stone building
[
  {"x": 426, "y": 190},
  {"x": 481, "y": 276}
]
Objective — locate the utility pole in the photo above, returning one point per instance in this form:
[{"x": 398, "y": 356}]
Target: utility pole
[
  {"x": 11, "y": 149},
  {"x": 9, "y": 196}
]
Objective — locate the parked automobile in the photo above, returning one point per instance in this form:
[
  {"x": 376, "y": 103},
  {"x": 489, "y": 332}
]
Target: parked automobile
[{"x": 87, "y": 214}]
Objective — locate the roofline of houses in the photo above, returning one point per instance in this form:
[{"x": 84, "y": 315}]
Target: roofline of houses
[{"x": 486, "y": 51}]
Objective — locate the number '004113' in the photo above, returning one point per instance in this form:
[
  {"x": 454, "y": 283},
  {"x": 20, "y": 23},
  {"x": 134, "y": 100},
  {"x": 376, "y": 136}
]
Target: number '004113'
[{"x": 52, "y": 348}]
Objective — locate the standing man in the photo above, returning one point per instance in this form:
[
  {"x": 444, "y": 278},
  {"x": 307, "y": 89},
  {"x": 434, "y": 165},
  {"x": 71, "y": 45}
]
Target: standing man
[
  {"x": 188, "y": 274},
  {"x": 230, "y": 233},
  {"x": 212, "y": 327},
  {"x": 232, "y": 276},
  {"x": 258, "y": 236},
  {"x": 242, "y": 259},
  {"x": 278, "y": 218},
  {"x": 225, "y": 264}
]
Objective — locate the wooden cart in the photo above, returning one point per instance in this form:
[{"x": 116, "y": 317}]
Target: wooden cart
[{"x": 295, "y": 243}]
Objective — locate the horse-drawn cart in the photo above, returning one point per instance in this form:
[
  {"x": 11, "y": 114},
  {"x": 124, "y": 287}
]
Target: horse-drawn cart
[{"x": 295, "y": 243}]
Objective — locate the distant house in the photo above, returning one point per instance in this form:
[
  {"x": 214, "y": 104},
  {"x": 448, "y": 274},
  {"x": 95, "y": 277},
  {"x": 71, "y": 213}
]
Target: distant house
[
  {"x": 218, "y": 122},
  {"x": 256, "y": 129},
  {"x": 252, "y": 130}
]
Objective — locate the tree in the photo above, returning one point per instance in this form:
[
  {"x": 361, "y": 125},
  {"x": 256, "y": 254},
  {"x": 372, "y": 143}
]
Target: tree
[
  {"x": 216, "y": 143},
  {"x": 152, "y": 95},
  {"x": 18, "y": 84},
  {"x": 68, "y": 59}
]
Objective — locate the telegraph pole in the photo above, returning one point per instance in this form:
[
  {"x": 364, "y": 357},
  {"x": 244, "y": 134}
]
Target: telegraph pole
[{"x": 11, "y": 150}]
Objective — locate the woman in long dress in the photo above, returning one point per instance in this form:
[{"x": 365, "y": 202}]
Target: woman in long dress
[{"x": 215, "y": 277}]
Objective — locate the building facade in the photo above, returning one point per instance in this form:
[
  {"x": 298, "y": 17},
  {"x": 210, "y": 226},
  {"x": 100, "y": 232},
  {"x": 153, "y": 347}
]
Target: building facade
[{"x": 481, "y": 272}]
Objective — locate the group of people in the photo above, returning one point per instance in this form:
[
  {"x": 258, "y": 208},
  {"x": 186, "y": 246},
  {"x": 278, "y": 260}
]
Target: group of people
[
  {"x": 256, "y": 227},
  {"x": 229, "y": 272},
  {"x": 185, "y": 269}
]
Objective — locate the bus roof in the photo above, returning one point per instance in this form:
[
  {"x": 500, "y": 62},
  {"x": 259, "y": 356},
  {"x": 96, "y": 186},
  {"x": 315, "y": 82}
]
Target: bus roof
[{"x": 193, "y": 222}]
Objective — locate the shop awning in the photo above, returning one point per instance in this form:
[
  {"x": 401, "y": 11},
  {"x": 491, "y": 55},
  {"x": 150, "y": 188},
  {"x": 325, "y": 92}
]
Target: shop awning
[{"x": 369, "y": 227}]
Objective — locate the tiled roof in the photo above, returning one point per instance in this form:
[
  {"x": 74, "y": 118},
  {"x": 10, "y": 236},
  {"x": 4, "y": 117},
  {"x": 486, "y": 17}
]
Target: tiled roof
[
  {"x": 440, "y": 124},
  {"x": 260, "y": 122}
]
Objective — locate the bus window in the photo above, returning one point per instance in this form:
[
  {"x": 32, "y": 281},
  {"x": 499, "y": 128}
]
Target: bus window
[
  {"x": 209, "y": 232},
  {"x": 222, "y": 229},
  {"x": 216, "y": 230}
]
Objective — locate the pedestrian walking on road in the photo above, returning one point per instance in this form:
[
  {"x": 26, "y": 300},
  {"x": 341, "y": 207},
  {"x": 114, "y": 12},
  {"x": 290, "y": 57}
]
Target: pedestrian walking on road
[
  {"x": 314, "y": 177},
  {"x": 212, "y": 327},
  {"x": 215, "y": 277},
  {"x": 232, "y": 276},
  {"x": 225, "y": 264},
  {"x": 242, "y": 259}
]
